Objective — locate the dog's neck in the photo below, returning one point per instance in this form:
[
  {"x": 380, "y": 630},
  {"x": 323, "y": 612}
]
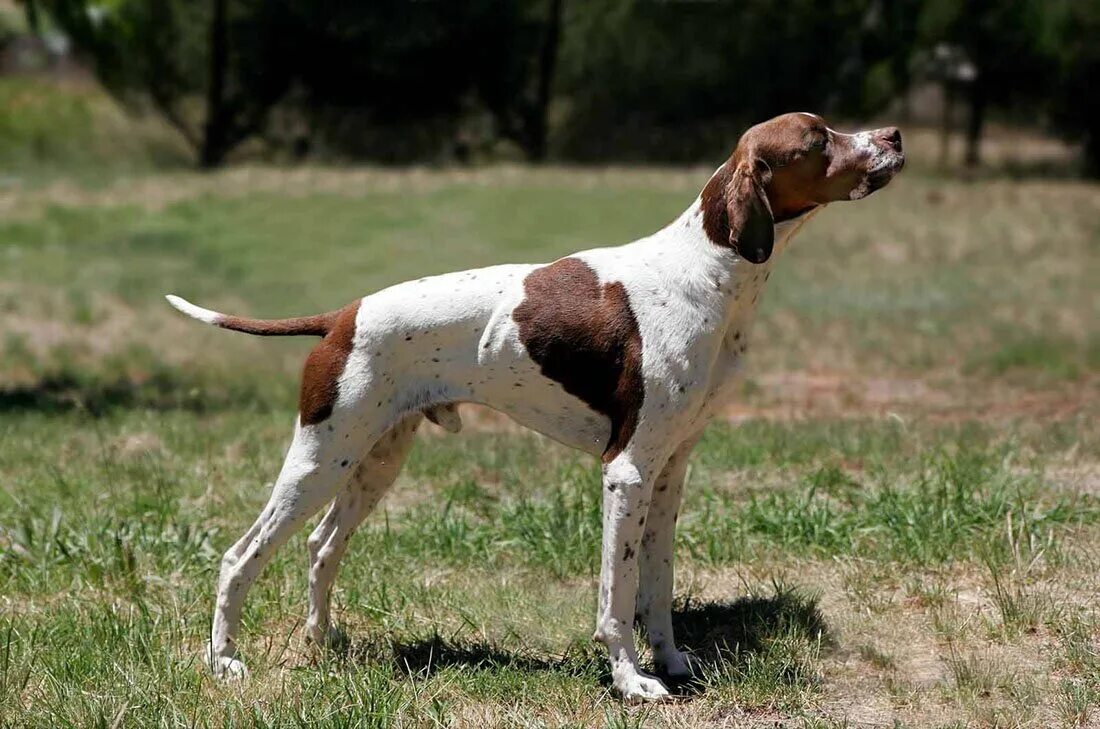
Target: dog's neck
[{"x": 714, "y": 275}]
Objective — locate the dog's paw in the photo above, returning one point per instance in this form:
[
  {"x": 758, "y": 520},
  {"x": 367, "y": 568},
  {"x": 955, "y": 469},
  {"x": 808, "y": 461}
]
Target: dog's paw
[
  {"x": 336, "y": 639},
  {"x": 228, "y": 669},
  {"x": 638, "y": 687},
  {"x": 675, "y": 664},
  {"x": 328, "y": 640}
]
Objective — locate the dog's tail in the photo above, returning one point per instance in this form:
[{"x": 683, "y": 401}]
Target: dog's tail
[{"x": 316, "y": 326}]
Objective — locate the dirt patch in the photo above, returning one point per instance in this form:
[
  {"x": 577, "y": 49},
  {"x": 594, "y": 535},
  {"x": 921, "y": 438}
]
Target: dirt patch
[
  {"x": 45, "y": 320},
  {"x": 942, "y": 397},
  {"x": 1082, "y": 478},
  {"x": 797, "y": 395}
]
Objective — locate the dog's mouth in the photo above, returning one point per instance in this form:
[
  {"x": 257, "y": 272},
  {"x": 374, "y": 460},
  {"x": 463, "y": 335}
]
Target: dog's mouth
[{"x": 878, "y": 176}]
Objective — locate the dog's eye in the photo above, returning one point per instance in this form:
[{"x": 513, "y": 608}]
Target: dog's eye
[{"x": 817, "y": 142}]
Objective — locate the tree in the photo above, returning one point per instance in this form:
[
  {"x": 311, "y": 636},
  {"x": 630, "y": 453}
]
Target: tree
[
  {"x": 677, "y": 81},
  {"x": 395, "y": 65},
  {"x": 1075, "y": 103},
  {"x": 1001, "y": 38},
  {"x": 520, "y": 100},
  {"x": 212, "y": 69}
]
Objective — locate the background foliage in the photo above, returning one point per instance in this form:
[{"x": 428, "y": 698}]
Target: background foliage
[{"x": 603, "y": 80}]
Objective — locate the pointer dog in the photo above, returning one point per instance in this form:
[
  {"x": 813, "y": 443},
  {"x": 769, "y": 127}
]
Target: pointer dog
[{"x": 623, "y": 352}]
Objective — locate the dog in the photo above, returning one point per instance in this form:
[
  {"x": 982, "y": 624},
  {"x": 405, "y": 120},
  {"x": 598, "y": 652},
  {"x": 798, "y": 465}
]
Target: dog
[{"x": 623, "y": 352}]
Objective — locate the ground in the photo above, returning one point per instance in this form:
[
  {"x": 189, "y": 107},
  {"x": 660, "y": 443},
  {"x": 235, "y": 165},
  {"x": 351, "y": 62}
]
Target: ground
[{"x": 896, "y": 524}]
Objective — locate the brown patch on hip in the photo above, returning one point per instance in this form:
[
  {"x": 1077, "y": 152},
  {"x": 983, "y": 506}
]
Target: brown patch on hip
[
  {"x": 585, "y": 337},
  {"x": 323, "y": 368}
]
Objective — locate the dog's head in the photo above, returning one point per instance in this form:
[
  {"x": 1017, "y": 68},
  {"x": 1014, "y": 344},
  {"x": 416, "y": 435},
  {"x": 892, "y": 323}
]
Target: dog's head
[{"x": 784, "y": 168}]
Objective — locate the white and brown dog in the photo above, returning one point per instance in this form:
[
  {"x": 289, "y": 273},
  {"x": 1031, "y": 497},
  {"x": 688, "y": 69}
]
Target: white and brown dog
[{"x": 624, "y": 352}]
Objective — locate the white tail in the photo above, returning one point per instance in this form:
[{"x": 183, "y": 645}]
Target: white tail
[
  {"x": 317, "y": 325},
  {"x": 195, "y": 312}
]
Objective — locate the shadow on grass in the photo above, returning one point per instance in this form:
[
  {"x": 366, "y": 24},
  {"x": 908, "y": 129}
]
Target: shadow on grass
[
  {"x": 424, "y": 657},
  {"x": 712, "y": 631},
  {"x": 63, "y": 393},
  {"x": 722, "y": 637},
  {"x": 750, "y": 638},
  {"x": 59, "y": 394}
]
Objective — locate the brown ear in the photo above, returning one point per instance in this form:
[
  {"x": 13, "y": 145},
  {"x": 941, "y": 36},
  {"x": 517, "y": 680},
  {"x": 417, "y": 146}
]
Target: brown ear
[{"x": 752, "y": 233}]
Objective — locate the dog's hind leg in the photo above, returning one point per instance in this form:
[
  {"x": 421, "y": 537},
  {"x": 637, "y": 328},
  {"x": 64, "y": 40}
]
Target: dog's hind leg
[
  {"x": 316, "y": 466},
  {"x": 329, "y": 540}
]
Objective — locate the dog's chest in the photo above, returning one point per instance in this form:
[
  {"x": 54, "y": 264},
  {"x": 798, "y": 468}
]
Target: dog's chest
[
  {"x": 731, "y": 344},
  {"x": 725, "y": 374}
]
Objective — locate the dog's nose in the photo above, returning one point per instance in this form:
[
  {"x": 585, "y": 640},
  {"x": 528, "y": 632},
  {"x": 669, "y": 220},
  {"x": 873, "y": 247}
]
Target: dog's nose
[{"x": 891, "y": 136}]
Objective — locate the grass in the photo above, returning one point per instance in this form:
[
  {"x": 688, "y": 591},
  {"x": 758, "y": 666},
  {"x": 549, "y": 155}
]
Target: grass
[
  {"x": 74, "y": 129},
  {"x": 472, "y": 591},
  {"x": 896, "y": 523}
]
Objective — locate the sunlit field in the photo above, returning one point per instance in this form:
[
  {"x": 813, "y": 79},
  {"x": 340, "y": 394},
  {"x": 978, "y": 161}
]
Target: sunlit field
[{"x": 897, "y": 522}]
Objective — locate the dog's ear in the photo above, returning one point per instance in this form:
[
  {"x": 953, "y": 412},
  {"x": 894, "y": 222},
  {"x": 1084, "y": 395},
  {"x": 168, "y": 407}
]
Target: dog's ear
[{"x": 751, "y": 223}]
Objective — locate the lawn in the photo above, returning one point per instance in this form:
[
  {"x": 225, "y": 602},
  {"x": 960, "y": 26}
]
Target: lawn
[{"x": 896, "y": 524}]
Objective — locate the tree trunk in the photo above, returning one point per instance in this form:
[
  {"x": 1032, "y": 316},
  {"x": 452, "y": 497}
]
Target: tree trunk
[
  {"x": 215, "y": 138},
  {"x": 946, "y": 122},
  {"x": 1092, "y": 153},
  {"x": 548, "y": 58},
  {"x": 30, "y": 9},
  {"x": 974, "y": 123}
]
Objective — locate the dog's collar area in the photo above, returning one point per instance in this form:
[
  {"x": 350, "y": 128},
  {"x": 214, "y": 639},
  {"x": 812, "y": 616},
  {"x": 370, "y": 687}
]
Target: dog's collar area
[{"x": 798, "y": 214}]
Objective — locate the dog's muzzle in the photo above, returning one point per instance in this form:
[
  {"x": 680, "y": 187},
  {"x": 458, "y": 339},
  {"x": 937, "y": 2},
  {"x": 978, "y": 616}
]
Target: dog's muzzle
[
  {"x": 890, "y": 158},
  {"x": 887, "y": 160}
]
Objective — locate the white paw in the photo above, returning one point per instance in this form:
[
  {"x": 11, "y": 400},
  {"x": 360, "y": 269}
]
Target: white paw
[
  {"x": 228, "y": 669},
  {"x": 641, "y": 687},
  {"x": 676, "y": 664}
]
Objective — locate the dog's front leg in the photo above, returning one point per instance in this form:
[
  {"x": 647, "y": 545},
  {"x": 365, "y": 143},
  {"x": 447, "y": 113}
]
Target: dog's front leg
[
  {"x": 656, "y": 582},
  {"x": 626, "y": 493}
]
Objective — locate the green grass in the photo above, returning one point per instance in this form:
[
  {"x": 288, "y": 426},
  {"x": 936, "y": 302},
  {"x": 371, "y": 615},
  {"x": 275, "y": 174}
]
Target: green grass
[
  {"x": 74, "y": 129},
  {"x": 503, "y": 501},
  {"x": 1057, "y": 358},
  {"x": 113, "y": 533}
]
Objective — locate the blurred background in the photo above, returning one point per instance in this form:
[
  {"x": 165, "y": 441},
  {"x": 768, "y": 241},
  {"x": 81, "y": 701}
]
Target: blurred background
[
  {"x": 393, "y": 81},
  {"x": 414, "y": 137}
]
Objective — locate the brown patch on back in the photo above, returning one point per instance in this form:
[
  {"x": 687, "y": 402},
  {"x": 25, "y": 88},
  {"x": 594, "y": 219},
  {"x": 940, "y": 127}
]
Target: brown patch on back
[
  {"x": 323, "y": 368},
  {"x": 585, "y": 337}
]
